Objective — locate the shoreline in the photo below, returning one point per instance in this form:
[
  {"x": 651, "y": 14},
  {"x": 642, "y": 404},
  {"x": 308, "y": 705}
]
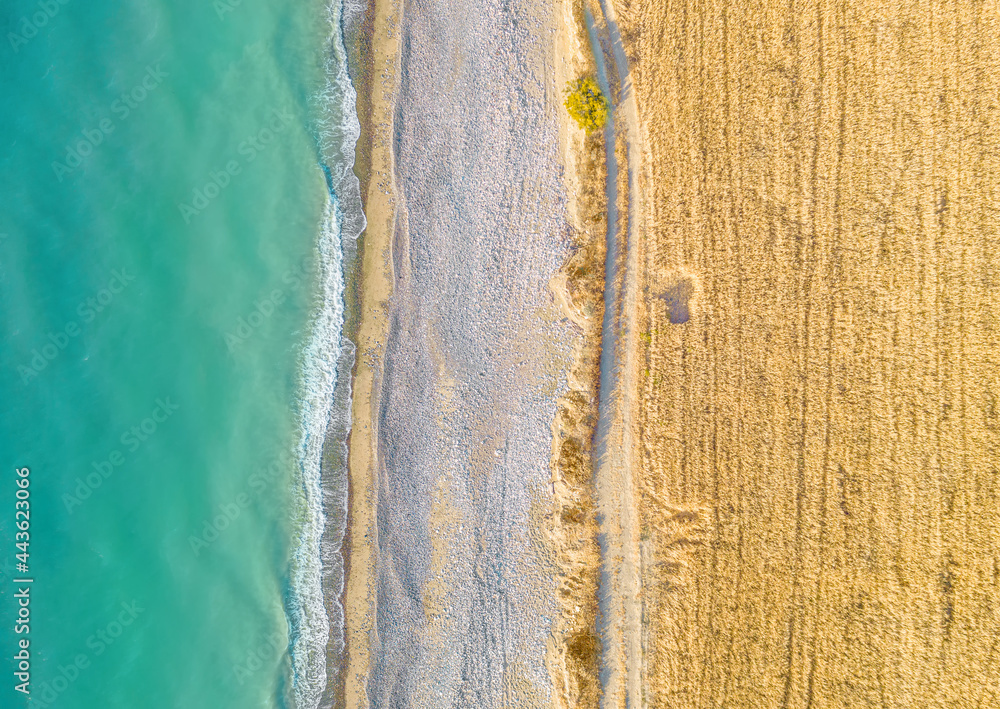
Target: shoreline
[{"x": 378, "y": 48}]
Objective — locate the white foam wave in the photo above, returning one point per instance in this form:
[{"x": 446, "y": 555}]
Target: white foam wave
[
  {"x": 325, "y": 354},
  {"x": 340, "y": 128},
  {"x": 310, "y": 624}
]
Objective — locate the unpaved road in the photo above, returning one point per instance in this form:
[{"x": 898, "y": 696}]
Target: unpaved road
[{"x": 615, "y": 445}]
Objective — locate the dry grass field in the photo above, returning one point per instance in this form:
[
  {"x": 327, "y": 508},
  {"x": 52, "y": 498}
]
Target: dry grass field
[{"x": 820, "y": 469}]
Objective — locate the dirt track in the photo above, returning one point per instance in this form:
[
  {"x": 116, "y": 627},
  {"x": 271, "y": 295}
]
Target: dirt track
[
  {"x": 819, "y": 484},
  {"x": 614, "y": 480}
]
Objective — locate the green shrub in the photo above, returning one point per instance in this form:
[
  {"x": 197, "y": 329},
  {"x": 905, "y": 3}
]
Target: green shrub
[{"x": 586, "y": 104}]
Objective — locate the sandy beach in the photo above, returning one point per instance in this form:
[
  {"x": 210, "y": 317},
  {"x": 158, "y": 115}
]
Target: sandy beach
[{"x": 376, "y": 104}]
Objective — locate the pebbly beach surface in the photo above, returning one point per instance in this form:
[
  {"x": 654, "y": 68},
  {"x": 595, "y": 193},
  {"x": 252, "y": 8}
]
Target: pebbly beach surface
[{"x": 449, "y": 601}]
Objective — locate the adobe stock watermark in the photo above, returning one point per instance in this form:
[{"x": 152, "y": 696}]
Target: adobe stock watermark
[
  {"x": 122, "y": 107},
  {"x": 133, "y": 438},
  {"x": 224, "y": 7},
  {"x": 88, "y": 310},
  {"x": 97, "y": 644},
  {"x": 30, "y": 25},
  {"x": 220, "y": 178},
  {"x": 258, "y": 482},
  {"x": 269, "y": 649},
  {"x": 292, "y": 279}
]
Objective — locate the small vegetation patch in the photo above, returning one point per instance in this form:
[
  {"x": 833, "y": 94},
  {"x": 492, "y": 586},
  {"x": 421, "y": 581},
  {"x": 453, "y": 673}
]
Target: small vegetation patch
[{"x": 586, "y": 104}]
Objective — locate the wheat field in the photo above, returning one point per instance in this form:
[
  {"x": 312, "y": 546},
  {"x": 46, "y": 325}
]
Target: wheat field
[{"x": 820, "y": 495}]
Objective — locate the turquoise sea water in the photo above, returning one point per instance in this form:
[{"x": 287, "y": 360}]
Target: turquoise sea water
[{"x": 169, "y": 302}]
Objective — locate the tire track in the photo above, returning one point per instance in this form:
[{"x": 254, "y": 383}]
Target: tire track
[{"x": 615, "y": 444}]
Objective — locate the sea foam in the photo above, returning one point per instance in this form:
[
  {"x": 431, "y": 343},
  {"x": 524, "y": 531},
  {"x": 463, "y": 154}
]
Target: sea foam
[{"x": 324, "y": 405}]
